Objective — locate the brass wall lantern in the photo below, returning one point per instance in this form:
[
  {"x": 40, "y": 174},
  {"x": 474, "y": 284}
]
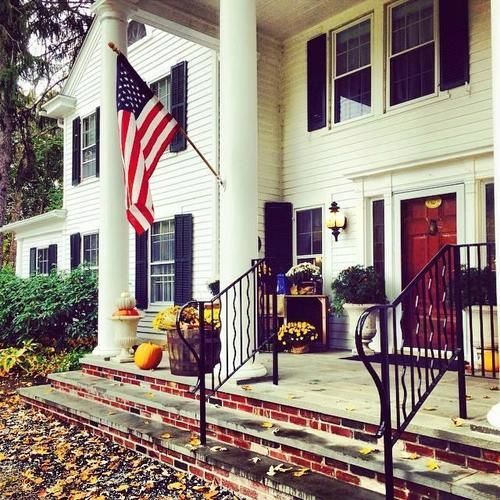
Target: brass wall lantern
[{"x": 336, "y": 220}]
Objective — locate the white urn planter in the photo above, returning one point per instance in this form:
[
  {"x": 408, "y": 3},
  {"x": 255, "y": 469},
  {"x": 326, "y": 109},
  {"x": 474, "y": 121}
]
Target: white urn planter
[
  {"x": 472, "y": 318},
  {"x": 353, "y": 312},
  {"x": 125, "y": 331}
]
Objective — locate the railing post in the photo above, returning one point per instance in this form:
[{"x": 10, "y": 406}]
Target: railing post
[
  {"x": 275, "y": 341},
  {"x": 386, "y": 406},
  {"x": 201, "y": 375},
  {"x": 462, "y": 399}
]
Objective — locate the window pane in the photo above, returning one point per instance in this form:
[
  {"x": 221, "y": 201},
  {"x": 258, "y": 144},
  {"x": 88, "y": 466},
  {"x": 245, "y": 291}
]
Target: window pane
[
  {"x": 304, "y": 221},
  {"x": 162, "y": 283},
  {"x": 352, "y": 48},
  {"x": 412, "y": 74},
  {"x": 353, "y": 95},
  {"x": 309, "y": 232},
  {"x": 162, "y": 241},
  {"x": 91, "y": 250},
  {"x": 378, "y": 236},
  {"x": 162, "y": 90},
  {"x": 490, "y": 213},
  {"x": 412, "y": 24},
  {"x": 43, "y": 261}
]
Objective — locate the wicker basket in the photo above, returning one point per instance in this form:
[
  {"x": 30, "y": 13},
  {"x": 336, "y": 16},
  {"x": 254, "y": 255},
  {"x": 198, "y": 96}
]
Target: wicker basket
[{"x": 182, "y": 360}]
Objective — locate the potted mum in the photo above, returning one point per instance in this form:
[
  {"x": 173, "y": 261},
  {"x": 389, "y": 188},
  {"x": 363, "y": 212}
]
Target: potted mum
[
  {"x": 182, "y": 360},
  {"x": 305, "y": 279},
  {"x": 355, "y": 289},
  {"x": 296, "y": 336}
]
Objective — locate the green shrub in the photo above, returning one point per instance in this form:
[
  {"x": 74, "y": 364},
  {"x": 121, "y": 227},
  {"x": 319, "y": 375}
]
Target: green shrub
[
  {"x": 357, "y": 285},
  {"x": 35, "y": 360},
  {"x": 52, "y": 309}
]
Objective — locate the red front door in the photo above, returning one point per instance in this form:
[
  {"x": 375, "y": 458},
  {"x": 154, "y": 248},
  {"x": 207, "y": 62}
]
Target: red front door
[{"x": 427, "y": 224}]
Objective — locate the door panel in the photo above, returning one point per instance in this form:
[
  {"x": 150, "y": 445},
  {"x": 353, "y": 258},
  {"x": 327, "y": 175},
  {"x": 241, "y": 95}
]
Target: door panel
[{"x": 427, "y": 224}]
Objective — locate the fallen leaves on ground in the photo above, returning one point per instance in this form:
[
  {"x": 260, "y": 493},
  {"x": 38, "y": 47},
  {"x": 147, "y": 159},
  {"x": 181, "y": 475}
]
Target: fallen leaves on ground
[
  {"x": 368, "y": 450},
  {"x": 246, "y": 387},
  {"x": 267, "y": 425},
  {"x": 432, "y": 464},
  {"x": 41, "y": 457},
  {"x": 409, "y": 456},
  {"x": 301, "y": 472},
  {"x": 458, "y": 422}
]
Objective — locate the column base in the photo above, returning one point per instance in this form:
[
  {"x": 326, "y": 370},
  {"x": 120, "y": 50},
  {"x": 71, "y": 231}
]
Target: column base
[
  {"x": 494, "y": 416},
  {"x": 249, "y": 371},
  {"x": 106, "y": 352}
]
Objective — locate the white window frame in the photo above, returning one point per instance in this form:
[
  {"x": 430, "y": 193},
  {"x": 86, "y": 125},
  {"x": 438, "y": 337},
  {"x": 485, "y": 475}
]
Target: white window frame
[
  {"x": 39, "y": 261},
  {"x": 85, "y": 262},
  {"x": 94, "y": 144},
  {"x": 388, "y": 27},
  {"x": 321, "y": 255},
  {"x": 168, "y": 82},
  {"x": 159, "y": 262},
  {"x": 334, "y": 69}
]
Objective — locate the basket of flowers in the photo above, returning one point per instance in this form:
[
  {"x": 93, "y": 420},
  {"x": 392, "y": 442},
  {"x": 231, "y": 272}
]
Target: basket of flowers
[
  {"x": 182, "y": 360},
  {"x": 296, "y": 336},
  {"x": 305, "y": 279}
]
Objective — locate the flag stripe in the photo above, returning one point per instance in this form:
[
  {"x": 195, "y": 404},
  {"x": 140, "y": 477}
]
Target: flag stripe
[{"x": 146, "y": 130}]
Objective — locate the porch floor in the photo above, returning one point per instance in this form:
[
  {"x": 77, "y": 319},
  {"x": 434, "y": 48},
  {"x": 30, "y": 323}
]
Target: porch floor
[{"x": 329, "y": 384}]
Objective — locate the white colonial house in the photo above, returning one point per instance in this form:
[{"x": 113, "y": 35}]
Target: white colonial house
[{"x": 388, "y": 109}]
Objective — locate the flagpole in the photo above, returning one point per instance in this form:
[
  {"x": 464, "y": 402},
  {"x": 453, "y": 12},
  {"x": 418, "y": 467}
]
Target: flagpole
[
  {"x": 217, "y": 176},
  {"x": 115, "y": 49}
]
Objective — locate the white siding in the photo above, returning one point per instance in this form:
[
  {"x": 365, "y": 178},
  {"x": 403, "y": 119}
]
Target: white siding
[
  {"x": 318, "y": 167},
  {"x": 181, "y": 182}
]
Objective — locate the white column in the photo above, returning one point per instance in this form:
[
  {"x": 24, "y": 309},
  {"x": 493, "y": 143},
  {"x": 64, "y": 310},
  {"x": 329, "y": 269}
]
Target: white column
[
  {"x": 238, "y": 146},
  {"x": 494, "y": 414},
  {"x": 113, "y": 226}
]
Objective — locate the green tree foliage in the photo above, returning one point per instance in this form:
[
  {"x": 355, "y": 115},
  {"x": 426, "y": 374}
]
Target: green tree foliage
[
  {"x": 38, "y": 42},
  {"x": 58, "y": 309}
]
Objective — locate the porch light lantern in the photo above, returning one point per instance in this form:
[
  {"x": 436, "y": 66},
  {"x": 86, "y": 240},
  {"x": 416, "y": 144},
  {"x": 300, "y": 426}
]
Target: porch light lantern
[{"x": 336, "y": 220}]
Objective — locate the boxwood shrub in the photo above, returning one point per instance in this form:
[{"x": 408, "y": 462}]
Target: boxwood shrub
[{"x": 57, "y": 309}]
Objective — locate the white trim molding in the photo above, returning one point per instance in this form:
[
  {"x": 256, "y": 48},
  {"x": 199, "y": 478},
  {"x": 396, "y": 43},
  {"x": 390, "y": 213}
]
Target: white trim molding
[{"x": 38, "y": 222}]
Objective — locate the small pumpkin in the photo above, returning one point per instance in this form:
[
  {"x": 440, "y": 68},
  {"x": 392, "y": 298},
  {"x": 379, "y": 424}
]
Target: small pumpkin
[
  {"x": 127, "y": 312},
  {"x": 148, "y": 356},
  {"x": 126, "y": 301}
]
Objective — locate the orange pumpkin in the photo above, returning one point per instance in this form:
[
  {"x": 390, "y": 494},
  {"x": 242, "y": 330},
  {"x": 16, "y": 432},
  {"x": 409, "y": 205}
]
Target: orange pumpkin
[
  {"x": 127, "y": 312},
  {"x": 148, "y": 356}
]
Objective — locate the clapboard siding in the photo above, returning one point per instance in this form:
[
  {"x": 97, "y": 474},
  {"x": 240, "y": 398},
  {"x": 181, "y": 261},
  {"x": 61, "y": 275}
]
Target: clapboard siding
[
  {"x": 181, "y": 182},
  {"x": 318, "y": 166}
]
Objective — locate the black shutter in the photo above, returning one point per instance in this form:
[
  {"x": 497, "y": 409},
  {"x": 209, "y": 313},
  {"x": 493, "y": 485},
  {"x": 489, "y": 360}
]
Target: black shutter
[
  {"x": 141, "y": 270},
  {"x": 33, "y": 261},
  {"x": 453, "y": 43},
  {"x": 316, "y": 83},
  {"x": 178, "y": 99},
  {"x": 75, "y": 172},
  {"x": 278, "y": 234},
  {"x": 97, "y": 139},
  {"x": 183, "y": 258},
  {"x": 75, "y": 242},
  {"x": 52, "y": 257}
]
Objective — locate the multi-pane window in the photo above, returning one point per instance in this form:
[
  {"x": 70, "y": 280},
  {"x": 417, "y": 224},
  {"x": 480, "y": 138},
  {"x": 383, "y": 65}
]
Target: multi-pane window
[
  {"x": 162, "y": 271},
  {"x": 352, "y": 71},
  {"x": 91, "y": 250},
  {"x": 162, "y": 90},
  {"x": 412, "y": 50},
  {"x": 42, "y": 261},
  {"x": 378, "y": 235},
  {"x": 89, "y": 148},
  {"x": 309, "y": 236}
]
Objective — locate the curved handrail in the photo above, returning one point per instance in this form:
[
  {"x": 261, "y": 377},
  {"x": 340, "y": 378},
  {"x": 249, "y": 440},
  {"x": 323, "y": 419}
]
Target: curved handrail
[{"x": 364, "y": 358}]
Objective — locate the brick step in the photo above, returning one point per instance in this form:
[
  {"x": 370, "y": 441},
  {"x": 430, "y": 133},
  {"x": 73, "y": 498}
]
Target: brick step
[
  {"x": 324, "y": 452},
  {"x": 231, "y": 468}
]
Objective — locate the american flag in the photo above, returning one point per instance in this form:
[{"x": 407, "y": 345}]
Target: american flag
[{"x": 146, "y": 129}]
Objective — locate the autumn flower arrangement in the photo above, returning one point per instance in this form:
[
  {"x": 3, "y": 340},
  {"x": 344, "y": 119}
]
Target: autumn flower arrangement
[
  {"x": 296, "y": 333},
  {"x": 305, "y": 271},
  {"x": 165, "y": 320}
]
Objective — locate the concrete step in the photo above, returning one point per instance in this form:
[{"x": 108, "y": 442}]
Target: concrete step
[
  {"x": 282, "y": 435},
  {"x": 149, "y": 435}
]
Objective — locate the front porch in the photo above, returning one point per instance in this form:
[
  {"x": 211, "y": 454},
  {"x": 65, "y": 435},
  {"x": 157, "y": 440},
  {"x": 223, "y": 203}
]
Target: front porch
[{"x": 322, "y": 416}]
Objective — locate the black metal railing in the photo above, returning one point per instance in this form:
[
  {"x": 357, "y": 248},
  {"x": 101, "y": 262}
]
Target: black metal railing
[
  {"x": 233, "y": 327},
  {"x": 444, "y": 319}
]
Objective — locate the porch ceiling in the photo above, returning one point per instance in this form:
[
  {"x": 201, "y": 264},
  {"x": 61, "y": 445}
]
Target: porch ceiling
[{"x": 277, "y": 18}]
